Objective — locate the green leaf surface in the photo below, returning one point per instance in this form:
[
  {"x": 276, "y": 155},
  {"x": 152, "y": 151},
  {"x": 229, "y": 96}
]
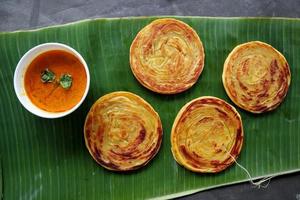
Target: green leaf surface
[
  {"x": 1, "y": 179},
  {"x": 47, "y": 159}
]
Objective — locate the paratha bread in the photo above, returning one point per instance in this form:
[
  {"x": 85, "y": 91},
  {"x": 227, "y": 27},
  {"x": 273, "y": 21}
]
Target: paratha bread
[
  {"x": 122, "y": 131},
  {"x": 167, "y": 56},
  {"x": 206, "y": 135},
  {"x": 256, "y": 77}
]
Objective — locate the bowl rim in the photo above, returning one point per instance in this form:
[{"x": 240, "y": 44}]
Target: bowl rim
[{"x": 22, "y": 66}]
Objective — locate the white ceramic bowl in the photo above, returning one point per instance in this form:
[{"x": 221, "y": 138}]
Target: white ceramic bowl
[{"x": 27, "y": 58}]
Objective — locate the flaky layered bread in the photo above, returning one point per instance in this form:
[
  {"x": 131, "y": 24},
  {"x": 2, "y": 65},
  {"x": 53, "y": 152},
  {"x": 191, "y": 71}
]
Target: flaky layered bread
[
  {"x": 256, "y": 77},
  {"x": 206, "y": 135},
  {"x": 122, "y": 131},
  {"x": 167, "y": 56}
]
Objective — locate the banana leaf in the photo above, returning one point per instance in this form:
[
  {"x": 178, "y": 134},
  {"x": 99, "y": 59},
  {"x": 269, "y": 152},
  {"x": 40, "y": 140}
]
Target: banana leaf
[
  {"x": 47, "y": 159},
  {"x": 1, "y": 181}
]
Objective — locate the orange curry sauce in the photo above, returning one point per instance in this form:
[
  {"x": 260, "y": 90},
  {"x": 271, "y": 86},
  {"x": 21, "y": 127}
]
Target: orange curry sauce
[{"x": 52, "y": 97}]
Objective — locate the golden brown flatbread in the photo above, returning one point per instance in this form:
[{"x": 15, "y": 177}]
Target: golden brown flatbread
[
  {"x": 122, "y": 131},
  {"x": 256, "y": 77},
  {"x": 206, "y": 135},
  {"x": 167, "y": 56}
]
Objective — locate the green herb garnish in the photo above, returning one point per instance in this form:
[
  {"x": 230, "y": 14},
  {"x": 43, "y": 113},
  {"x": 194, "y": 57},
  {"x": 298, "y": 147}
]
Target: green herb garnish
[
  {"x": 47, "y": 76},
  {"x": 66, "y": 81}
]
